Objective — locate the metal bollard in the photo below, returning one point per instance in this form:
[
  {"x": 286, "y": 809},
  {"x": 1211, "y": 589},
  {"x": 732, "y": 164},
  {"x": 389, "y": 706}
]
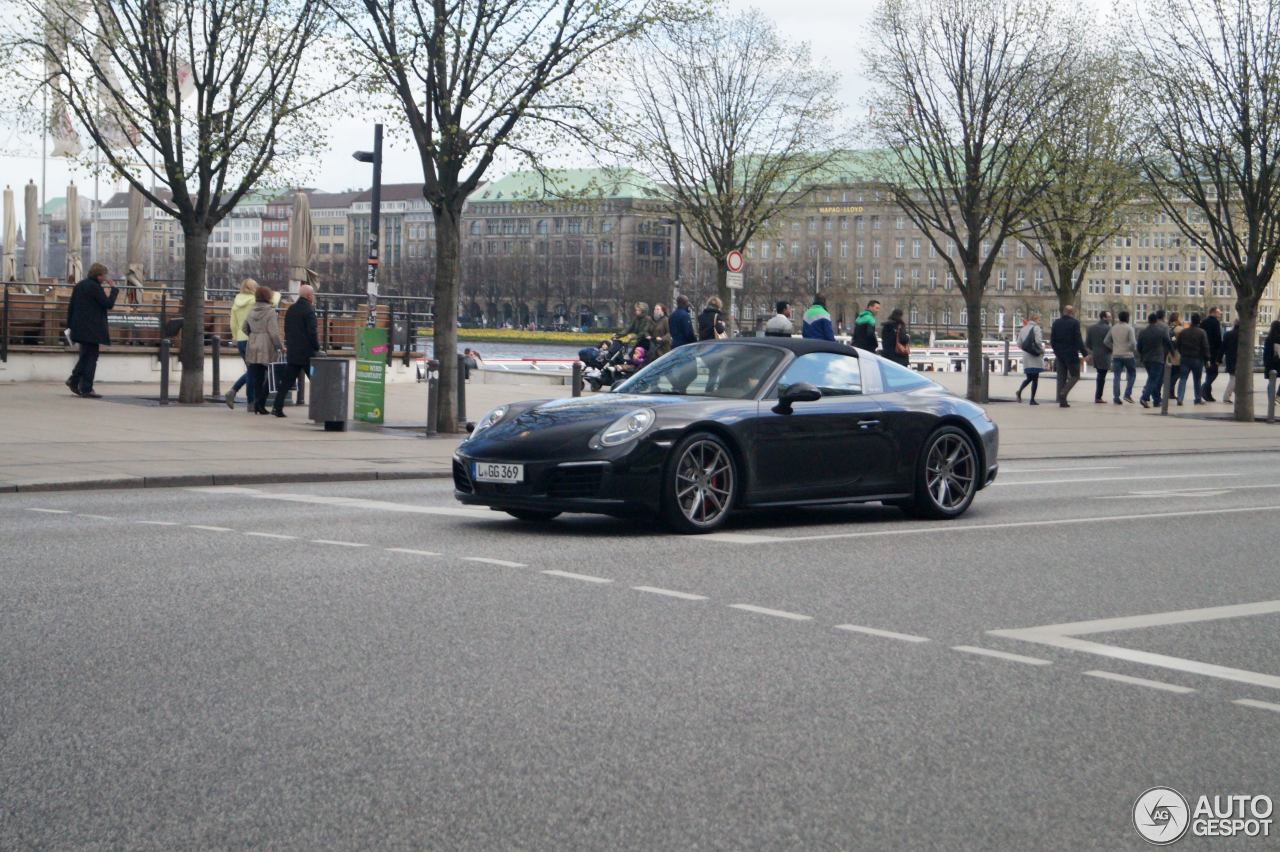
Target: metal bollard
[
  {"x": 217, "y": 367},
  {"x": 1271, "y": 396},
  {"x": 1007, "y": 362},
  {"x": 462, "y": 391},
  {"x": 4, "y": 332},
  {"x": 1168, "y": 389},
  {"x": 433, "y": 401},
  {"x": 164, "y": 371},
  {"x": 577, "y": 378},
  {"x": 986, "y": 379}
]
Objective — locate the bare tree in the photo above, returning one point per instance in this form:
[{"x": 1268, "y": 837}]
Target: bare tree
[
  {"x": 964, "y": 92},
  {"x": 192, "y": 101},
  {"x": 1094, "y": 180},
  {"x": 475, "y": 78},
  {"x": 1210, "y": 72},
  {"x": 732, "y": 123}
]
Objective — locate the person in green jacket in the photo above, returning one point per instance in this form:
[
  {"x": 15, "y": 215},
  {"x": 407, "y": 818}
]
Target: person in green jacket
[
  {"x": 864, "y": 327},
  {"x": 240, "y": 308},
  {"x": 641, "y": 325}
]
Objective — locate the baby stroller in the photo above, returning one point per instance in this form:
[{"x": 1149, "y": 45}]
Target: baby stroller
[{"x": 609, "y": 366}]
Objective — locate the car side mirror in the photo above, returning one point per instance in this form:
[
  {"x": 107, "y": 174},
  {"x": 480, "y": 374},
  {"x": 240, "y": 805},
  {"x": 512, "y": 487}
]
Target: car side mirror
[{"x": 799, "y": 392}]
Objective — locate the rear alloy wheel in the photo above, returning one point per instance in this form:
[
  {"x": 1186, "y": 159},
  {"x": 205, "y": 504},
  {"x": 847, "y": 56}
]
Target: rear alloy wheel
[
  {"x": 531, "y": 515},
  {"x": 700, "y": 485},
  {"x": 947, "y": 477}
]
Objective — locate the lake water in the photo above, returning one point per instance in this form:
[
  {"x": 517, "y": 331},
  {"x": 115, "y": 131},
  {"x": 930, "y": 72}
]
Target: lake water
[{"x": 517, "y": 350}]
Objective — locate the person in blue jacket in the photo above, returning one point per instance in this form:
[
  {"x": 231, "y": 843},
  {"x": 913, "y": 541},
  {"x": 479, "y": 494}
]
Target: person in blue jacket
[
  {"x": 817, "y": 322},
  {"x": 681, "y": 324}
]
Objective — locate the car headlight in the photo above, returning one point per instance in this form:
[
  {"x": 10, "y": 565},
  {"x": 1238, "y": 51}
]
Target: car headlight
[
  {"x": 626, "y": 428},
  {"x": 491, "y": 419}
]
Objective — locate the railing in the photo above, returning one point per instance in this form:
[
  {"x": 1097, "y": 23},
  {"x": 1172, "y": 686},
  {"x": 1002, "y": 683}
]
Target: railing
[{"x": 143, "y": 316}]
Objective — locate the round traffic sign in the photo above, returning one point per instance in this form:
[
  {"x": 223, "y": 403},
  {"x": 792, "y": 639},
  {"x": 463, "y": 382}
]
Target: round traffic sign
[{"x": 733, "y": 262}]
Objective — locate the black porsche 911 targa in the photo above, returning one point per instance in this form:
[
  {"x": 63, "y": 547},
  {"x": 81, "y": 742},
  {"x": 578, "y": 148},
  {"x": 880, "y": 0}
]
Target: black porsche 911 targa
[{"x": 735, "y": 424}]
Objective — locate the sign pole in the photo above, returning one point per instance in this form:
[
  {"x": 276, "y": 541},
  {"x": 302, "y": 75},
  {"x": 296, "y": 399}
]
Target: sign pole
[{"x": 375, "y": 209}]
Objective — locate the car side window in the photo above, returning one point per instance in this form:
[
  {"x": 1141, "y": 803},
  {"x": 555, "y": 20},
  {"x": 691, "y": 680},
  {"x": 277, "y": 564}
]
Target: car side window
[{"x": 830, "y": 372}]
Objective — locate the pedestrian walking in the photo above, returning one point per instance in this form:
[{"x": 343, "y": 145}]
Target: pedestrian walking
[
  {"x": 1031, "y": 342},
  {"x": 1271, "y": 351},
  {"x": 301, "y": 343},
  {"x": 661, "y": 332},
  {"x": 895, "y": 342},
  {"x": 87, "y": 321},
  {"x": 1193, "y": 348},
  {"x": 1068, "y": 349},
  {"x": 263, "y": 329},
  {"x": 1212, "y": 326},
  {"x": 681, "y": 324},
  {"x": 1175, "y": 357},
  {"x": 817, "y": 322},
  {"x": 779, "y": 325},
  {"x": 240, "y": 308},
  {"x": 1099, "y": 353},
  {"x": 1122, "y": 340},
  {"x": 864, "y": 327},
  {"x": 711, "y": 321},
  {"x": 1154, "y": 347},
  {"x": 1230, "y": 341}
]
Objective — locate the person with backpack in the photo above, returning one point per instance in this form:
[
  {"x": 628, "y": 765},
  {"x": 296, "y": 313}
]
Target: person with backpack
[{"x": 1031, "y": 342}]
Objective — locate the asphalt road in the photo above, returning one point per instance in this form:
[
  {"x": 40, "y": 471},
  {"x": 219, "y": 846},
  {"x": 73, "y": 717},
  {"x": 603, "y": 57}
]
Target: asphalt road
[{"x": 371, "y": 665}]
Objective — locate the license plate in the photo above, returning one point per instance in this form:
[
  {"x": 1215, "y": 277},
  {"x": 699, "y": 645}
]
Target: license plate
[{"x": 497, "y": 472}]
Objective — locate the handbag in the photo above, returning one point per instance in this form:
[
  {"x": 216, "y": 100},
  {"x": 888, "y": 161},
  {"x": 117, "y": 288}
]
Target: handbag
[
  {"x": 275, "y": 375},
  {"x": 902, "y": 348}
]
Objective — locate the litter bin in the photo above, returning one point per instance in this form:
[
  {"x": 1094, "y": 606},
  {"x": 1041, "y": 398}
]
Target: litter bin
[{"x": 330, "y": 380}]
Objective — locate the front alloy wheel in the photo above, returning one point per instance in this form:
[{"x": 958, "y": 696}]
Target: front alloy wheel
[
  {"x": 948, "y": 476},
  {"x": 700, "y": 485}
]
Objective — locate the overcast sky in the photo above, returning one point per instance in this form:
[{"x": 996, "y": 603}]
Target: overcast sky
[{"x": 834, "y": 28}]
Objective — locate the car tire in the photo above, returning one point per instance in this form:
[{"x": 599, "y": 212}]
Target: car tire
[
  {"x": 947, "y": 475},
  {"x": 531, "y": 515},
  {"x": 700, "y": 484}
]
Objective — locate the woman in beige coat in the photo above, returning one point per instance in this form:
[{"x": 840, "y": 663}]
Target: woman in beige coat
[{"x": 263, "y": 328}]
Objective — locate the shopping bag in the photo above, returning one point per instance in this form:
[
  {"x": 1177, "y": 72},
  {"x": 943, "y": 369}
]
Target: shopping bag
[{"x": 276, "y": 376}]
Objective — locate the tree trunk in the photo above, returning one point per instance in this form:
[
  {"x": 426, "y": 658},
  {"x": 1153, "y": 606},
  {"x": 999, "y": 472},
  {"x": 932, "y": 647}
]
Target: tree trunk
[
  {"x": 726, "y": 296},
  {"x": 973, "y": 327},
  {"x": 445, "y": 337},
  {"x": 1247, "y": 313},
  {"x": 191, "y": 354},
  {"x": 1066, "y": 298}
]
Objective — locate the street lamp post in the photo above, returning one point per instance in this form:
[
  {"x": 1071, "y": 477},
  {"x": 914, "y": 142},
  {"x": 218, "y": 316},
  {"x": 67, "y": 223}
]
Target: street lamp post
[{"x": 374, "y": 157}]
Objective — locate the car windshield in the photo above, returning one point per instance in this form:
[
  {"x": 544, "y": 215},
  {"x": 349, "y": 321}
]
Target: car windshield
[{"x": 724, "y": 370}]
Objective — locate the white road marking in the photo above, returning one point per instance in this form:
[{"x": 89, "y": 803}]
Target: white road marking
[
  {"x": 1140, "y": 681},
  {"x": 351, "y": 502},
  {"x": 210, "y": 529},
  {"x": 51, "y": 511},
  {"x": 503, "y": 562},
  {"x": 886, "y": 634},
  {"x": 1261, "y": 705},
  {"x": 280, "y": 536},
  {"x": 1001, "y": 655},
  {"x": 159, "y": 523},
  {"x": 1004, "y": 471},
  {"x": 941, "y": 528},
  {"x": 684, "y": 596},
  {"x": 571, "y": 576},
  {"x": 95, "y": 517},
  {"x": 1066, "y": 636},
  {"x": 777, "y": 613},
  {"x": 337, "y": 543},
  {"x": 1186, "y": 492},
  {"x": 411, "y": 551},
  {"x": 1197, "y": 475}
]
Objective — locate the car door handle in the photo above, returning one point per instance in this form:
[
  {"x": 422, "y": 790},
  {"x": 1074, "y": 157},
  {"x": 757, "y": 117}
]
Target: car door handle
[{"x": 868, "y": 424}]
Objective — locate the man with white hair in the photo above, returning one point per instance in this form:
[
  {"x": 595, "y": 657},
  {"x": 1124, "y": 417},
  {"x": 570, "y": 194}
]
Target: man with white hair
[{"x": 300, "y": 341}]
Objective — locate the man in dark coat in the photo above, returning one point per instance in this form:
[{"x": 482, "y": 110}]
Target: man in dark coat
[
  {"x": 87, "y": 320},
  {"x": 1213, "y": 330},
  {"x": 1068, "y": 349},
  {"x": 681, "y": 325},
  {"x": 300, "y": 342}
]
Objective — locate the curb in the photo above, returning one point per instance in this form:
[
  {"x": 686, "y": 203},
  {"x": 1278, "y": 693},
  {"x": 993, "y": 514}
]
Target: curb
[{"x": 205, "y": 480}]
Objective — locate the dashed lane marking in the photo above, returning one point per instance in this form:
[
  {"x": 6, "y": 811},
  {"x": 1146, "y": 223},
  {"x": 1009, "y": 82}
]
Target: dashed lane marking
[
  {"x": 411, "y": 551},
  {"x": 210, "y": 529},
  {"x": 1005, "y": 471},
  {"x": 95, "y": 517},
  {"x": 671, "y": 593},
  {"x": 568, "y": 575},
  {"x": 1112, "y": 479},
  {"x": 885, "y": 634},
  {"x": 350, "y": 502},
  {"x": 338, "y": 543},
  {"x": 943, "y": 529},
  {"x": 776, "y": 613},
  {"x": 51, "y": 511},
  {"x": 159, "y": 523},
  {"x": 1001, "y": 655},
  {"x": 1140, "y": 681},
  {"x": 280, "y": 536},
  {"x": 501, "y": 562},
  {"x": 1261, "y": 705}
]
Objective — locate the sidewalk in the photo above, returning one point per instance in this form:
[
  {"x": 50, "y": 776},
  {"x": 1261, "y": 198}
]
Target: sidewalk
[{"x": 50, "y": 439}]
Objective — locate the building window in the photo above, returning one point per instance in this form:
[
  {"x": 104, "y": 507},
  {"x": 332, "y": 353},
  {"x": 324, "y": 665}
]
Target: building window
[{"x": 899, "y": 247}]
